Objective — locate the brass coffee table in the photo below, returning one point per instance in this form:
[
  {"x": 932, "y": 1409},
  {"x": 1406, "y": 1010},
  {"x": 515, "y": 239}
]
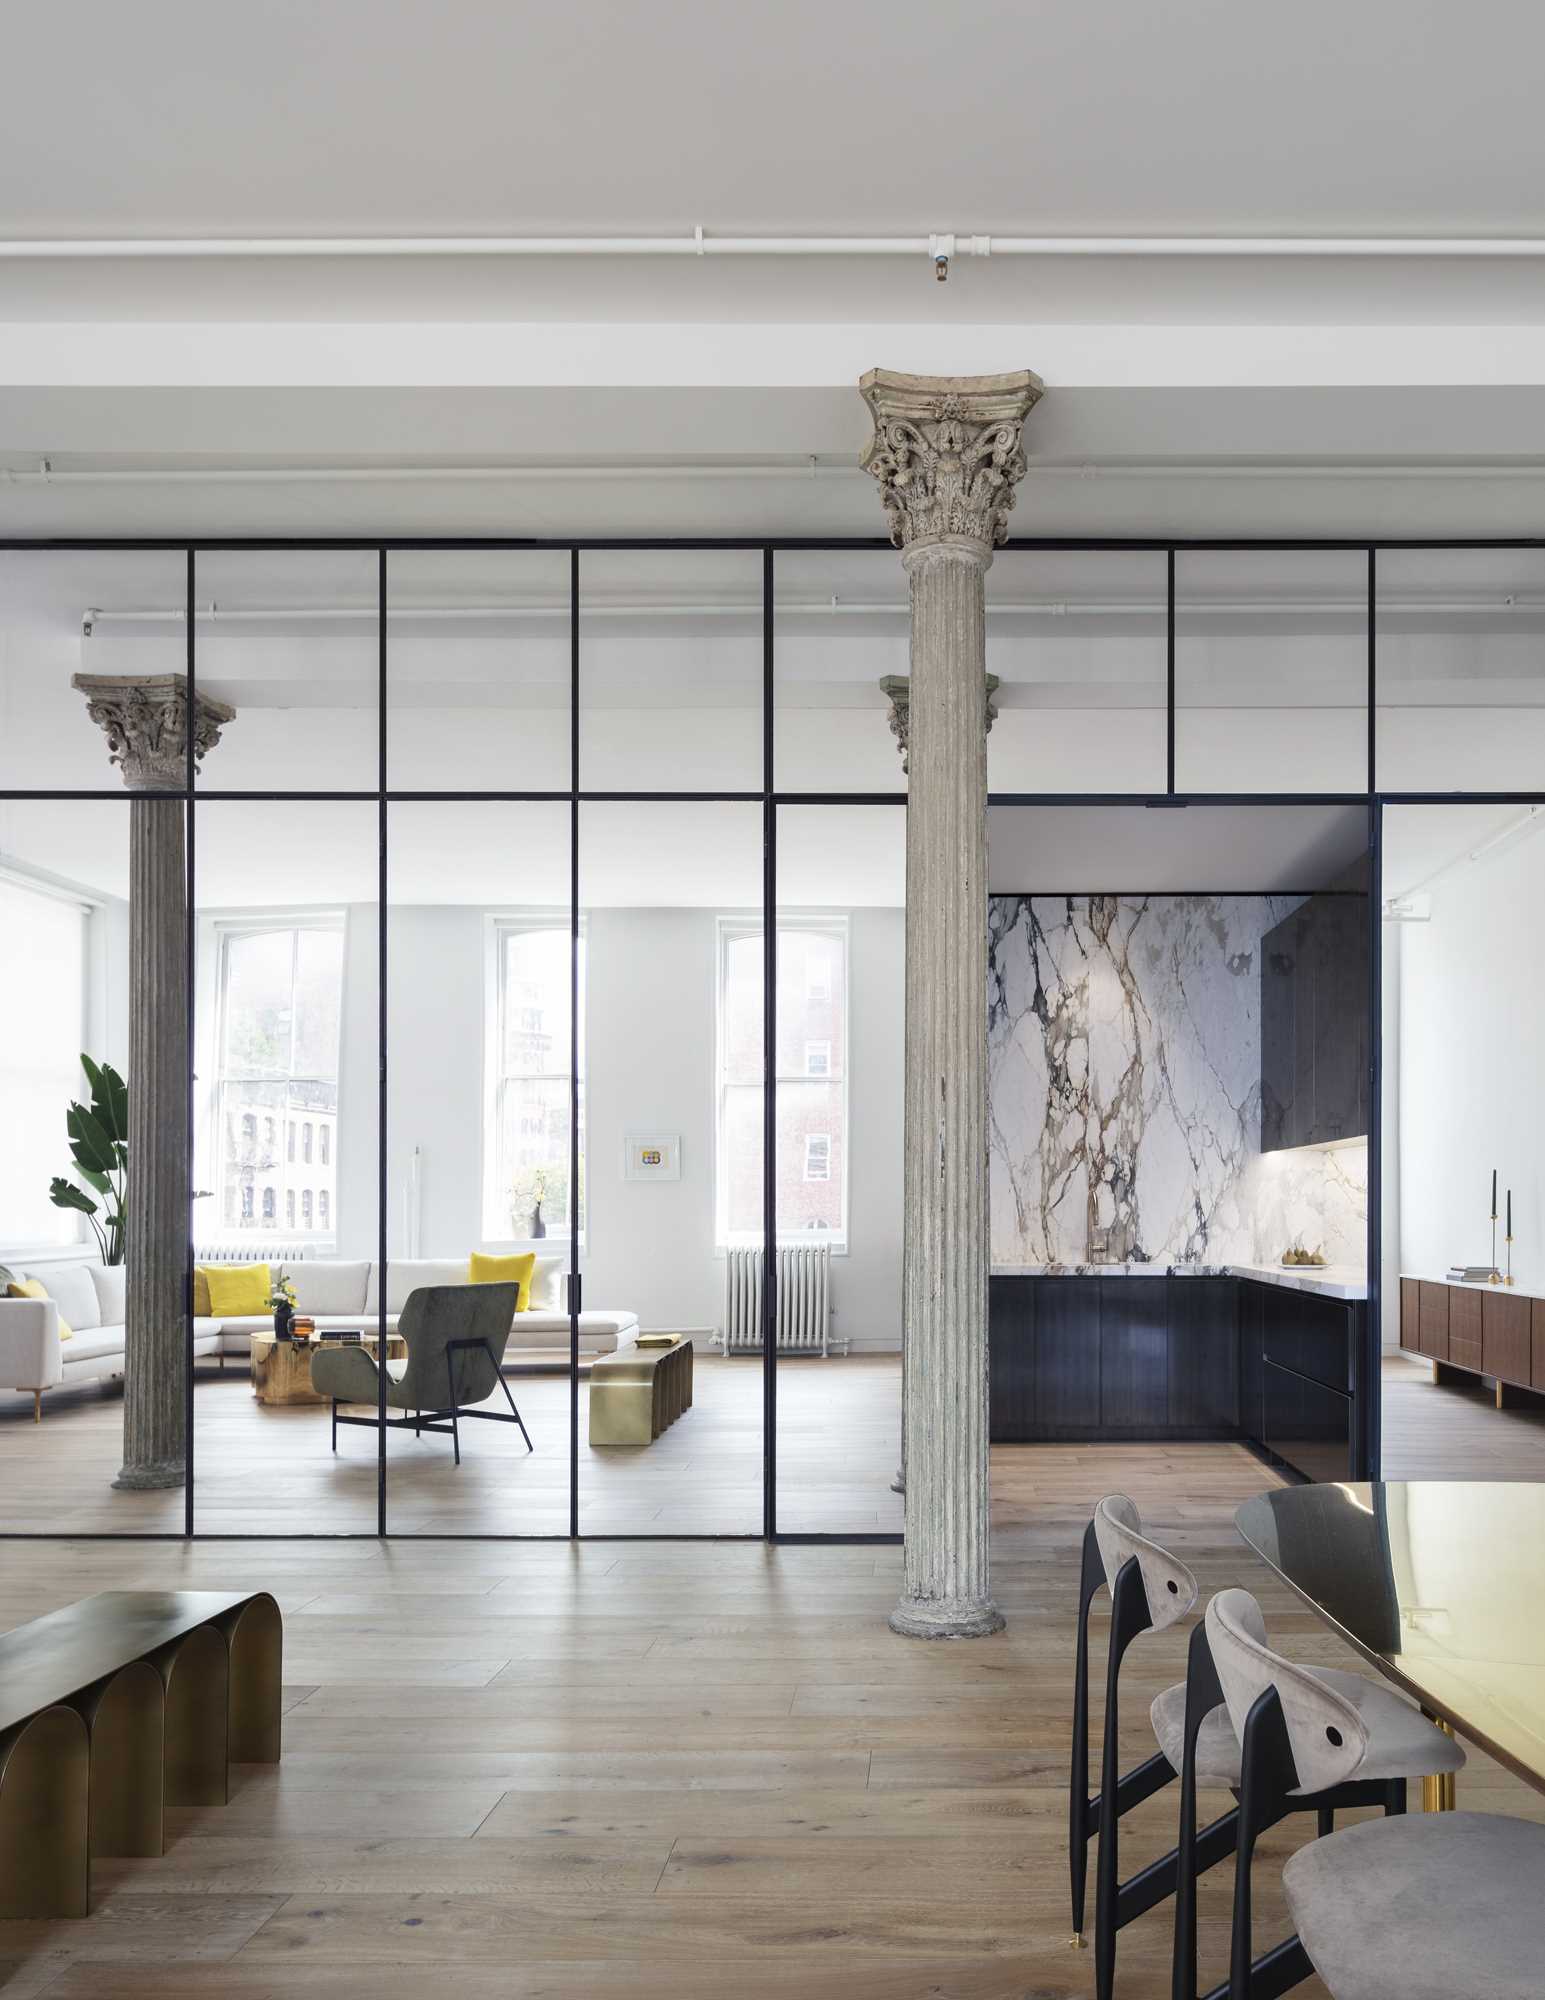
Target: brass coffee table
[{"x": 281, "y": 1369}]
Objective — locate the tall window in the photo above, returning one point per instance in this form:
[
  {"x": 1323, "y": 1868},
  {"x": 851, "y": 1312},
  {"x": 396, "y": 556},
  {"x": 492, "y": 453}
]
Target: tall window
[
  {"x": 527, "y": 1163},
  {"x": 279, "y": 1007},
  {"x": 42, "y": 1033},
  {"x": 811, "y": 1076}
]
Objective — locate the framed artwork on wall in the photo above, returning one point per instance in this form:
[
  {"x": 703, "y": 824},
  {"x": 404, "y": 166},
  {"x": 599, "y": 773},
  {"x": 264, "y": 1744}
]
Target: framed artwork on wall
[{"x": 652, "y": 1156}]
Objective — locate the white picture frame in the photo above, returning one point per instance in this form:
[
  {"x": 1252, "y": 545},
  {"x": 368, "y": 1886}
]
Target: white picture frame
[{"x": 651, "y": 1156}]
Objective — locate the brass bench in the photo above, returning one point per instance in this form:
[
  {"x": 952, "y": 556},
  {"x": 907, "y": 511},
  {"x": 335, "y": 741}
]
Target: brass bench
[
  {"x": 636, "y": 1395},
  {"x": 115, "y": 1707}
]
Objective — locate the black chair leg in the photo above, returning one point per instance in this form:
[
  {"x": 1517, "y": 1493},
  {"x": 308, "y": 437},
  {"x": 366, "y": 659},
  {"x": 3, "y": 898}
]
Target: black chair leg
[
  {"x": 450, "y": 1383},
  {"x": 335, "y": 1423},
  {"x": 514, "y": 1412},
  {"x": 1327, "y": 1818},
  {"x": 1128, "y": 1617},
  {"x": 1394, "y": 1798}
]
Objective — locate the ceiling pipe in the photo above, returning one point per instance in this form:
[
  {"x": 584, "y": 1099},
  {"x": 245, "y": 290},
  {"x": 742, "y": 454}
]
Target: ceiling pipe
[
  {"x": 1355, "y": 607},
  {"x": 808, "y": 466},
  {"x": 936, "y": 246}
]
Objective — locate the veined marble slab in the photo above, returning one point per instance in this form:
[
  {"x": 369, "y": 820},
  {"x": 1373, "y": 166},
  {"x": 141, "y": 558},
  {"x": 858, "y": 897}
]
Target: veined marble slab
[{"x": 1124, "y": 1053}]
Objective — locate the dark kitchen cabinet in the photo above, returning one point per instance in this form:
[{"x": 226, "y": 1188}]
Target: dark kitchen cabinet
[
  {"x": 1204, "y": 1354},
  {"x": 1307, "y": 1425},
  {"x": 1011, "y": 1356},
  {"x": 1067, "y": 1354},
  {"x": 1315, "y": 1037},
  {"x": 1252, "y": 1338},
  {"x": 1134, "y": 1356}
]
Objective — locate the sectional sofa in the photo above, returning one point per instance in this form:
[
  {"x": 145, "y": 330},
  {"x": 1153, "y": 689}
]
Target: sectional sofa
[{"x": 90, "y": 1299}]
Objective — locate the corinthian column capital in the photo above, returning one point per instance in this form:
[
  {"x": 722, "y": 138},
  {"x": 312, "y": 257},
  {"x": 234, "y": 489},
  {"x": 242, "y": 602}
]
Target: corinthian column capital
[
  {"x": 946, "y": 451},
  {"x": 145, "y": 720}
]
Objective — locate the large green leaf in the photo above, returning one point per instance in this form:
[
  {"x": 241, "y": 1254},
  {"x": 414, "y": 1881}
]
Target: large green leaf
[
  {"x": 109, "y": 1098},
  {"x": 90, "y": 1144},
  {"x": 65, "y": 1194},
  {"x": 93, "y": 1179}
]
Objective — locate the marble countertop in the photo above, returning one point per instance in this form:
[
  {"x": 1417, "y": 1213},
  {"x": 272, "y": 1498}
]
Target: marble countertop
[{"x": 1332, "y": 1281}]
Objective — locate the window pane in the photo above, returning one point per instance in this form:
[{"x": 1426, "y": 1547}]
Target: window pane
[
  {"x": 287, "y": 1083},
  {"x": 841, "y": 627},
  {"x": 1078, "y": 642},
  {"x": 289, "y": 639},
  {"x": 1461, "y": 669},
  {"x": 478, "y": 670},
  {"x": 79, "y": 611},
  {"x": 1271, "y": 671},
  {"x": 671, "y": 895},
  {"x": 478, "y": 1053},
  {"x": 670, "y": 680},
  {"x": 841, "y": 1023}
]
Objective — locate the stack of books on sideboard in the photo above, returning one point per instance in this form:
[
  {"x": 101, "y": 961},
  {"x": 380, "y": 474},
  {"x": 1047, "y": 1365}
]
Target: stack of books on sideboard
[{"x": 1473, "y": 1274}]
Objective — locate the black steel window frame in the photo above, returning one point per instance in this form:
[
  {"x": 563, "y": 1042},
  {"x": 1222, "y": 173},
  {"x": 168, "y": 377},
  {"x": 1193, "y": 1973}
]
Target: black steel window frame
[{"x": 771, "y": 798}]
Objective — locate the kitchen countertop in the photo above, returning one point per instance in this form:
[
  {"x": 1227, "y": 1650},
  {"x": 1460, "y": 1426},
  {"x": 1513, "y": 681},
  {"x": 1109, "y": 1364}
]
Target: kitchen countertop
[{"x": 1331, "y": 1281}]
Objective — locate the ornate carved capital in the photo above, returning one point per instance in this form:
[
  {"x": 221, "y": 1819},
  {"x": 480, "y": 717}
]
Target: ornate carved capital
[
  {"x": 897, "y": 690},
  {"x": 145, "y": 719},
  {"x": 946, "y": 451}
]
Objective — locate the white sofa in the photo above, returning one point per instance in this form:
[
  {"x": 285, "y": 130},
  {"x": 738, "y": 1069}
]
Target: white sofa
[{"x": 336, "y": 1293}]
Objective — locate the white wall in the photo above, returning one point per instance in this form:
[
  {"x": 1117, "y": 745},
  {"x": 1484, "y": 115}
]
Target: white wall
[{"x": 1472, "y": 1063}]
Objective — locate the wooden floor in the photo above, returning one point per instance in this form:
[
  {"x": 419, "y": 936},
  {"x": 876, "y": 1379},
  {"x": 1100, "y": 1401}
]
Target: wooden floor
[
  {"x": 677, "y": 1772},
  {"x": 261, "y": 1470},
  {"x": 681, "y": 1773}
]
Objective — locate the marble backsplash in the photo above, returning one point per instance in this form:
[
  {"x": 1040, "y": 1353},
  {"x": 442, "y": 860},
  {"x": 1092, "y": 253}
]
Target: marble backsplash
[{"x": 1124, "y": 1038}]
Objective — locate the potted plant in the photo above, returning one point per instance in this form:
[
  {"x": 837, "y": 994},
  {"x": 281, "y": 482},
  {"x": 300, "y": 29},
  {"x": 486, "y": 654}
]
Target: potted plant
[
  {"x": 281, "y": 1303},
  {"x": 99, "y": 1144}
]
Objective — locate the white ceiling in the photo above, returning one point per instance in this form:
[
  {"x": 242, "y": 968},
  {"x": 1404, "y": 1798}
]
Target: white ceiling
[
  {"x": 1189, "y": 397},
  {"x": 175, "y": 116}
]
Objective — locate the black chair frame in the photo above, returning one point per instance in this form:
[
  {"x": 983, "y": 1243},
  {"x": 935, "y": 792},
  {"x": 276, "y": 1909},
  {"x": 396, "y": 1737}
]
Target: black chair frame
[
  {"x": 1265, "y": 1796},
  {"x": 1117, "y": 1903},
  {"x": 445, "y": 1422}
]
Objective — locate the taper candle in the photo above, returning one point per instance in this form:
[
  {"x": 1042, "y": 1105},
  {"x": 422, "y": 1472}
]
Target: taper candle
[
  {"x": 1510, "y": 1215},
  {"x": 1493, "y": 1194}
]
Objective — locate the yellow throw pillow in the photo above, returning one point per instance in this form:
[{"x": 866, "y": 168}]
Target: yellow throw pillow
[
  {"x": 32, "y": 1288},
  {"x": 201, "y": 1292},
  {"x": 238, "y": 1291},
  {"x": 505, "y": 1271}
]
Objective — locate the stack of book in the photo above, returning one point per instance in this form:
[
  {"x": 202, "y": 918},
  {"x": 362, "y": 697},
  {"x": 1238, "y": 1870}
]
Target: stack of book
[{"x": 1472, "y": 1274}]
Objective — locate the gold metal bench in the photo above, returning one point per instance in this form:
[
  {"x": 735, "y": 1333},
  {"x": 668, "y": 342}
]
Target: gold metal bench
[
  {"x": 115, "y": 1707},
  {"x": 636, "y": 1395}
]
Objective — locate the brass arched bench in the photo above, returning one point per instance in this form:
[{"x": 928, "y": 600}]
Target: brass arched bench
[{"x": 115, "y": 1707}]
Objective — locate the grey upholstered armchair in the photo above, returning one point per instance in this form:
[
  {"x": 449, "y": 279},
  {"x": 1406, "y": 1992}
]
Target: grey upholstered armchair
[{"x": 456, "y": 1336}]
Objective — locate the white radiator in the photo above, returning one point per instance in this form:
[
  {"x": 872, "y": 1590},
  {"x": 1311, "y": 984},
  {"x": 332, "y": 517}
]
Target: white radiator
[
  {"x": 803, "y": 1300},
  {"x": 256, "y": 1249}
]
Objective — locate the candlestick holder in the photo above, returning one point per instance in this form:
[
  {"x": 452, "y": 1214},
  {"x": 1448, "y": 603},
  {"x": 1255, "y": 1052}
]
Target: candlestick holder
[
  {"x": 1496, "y": 1275},
  {"x": 1509, "y": 1278}
]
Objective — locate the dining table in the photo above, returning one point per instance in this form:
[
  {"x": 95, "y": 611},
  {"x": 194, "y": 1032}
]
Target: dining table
[{"x": 1439, "y": 1585}]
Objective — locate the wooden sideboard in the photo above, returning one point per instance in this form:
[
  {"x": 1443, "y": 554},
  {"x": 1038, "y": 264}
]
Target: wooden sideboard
[{"x": 1471, "y": 1330}]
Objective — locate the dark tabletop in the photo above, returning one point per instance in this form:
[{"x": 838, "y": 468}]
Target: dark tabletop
[{"x": 1440, "y": 1584}]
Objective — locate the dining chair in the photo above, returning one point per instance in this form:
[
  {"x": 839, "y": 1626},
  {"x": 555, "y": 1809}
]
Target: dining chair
[
  {"x": 1317, "y": 1739},
  {"x": 1150, "y": 1590},
  {"x": 455, "y": 1337}
]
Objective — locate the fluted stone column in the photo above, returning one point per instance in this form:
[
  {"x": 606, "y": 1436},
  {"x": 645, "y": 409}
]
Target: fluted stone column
[
  {"x": 145, "y": 718},
  {"x": 946, "y": 451}
]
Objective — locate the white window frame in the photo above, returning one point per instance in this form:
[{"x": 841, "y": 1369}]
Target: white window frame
[
  {"x": 222, "y": 931},
  {"x": 837, "y": 925},
  {"x": 497, "y": 926}
]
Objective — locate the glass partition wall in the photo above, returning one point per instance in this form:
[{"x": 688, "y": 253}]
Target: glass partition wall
[{"x": 542, "y": 912}]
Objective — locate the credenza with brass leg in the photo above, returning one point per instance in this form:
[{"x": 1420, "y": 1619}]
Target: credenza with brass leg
[
  {"x": 112, "y": 1709},
  {"x": 1470, "y": 1331}
]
